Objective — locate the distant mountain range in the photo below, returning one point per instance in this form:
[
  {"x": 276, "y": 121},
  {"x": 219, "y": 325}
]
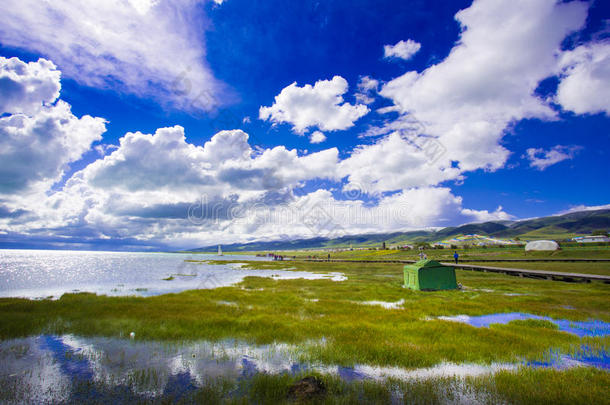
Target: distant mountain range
[{"x": 554, "y": 227}]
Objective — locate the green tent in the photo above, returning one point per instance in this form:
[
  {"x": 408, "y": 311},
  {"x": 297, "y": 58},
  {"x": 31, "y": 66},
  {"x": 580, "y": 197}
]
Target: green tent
[{"x": 429, "y": 275}]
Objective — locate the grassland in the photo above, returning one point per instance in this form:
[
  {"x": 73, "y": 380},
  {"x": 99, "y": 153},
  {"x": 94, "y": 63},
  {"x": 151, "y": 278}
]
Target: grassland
[
  {"x": 296, "y": 311},
  {"x": 491, "y": 253},
  {"x": 305, "y": 312},
  {"x": 570, "y": 252}
]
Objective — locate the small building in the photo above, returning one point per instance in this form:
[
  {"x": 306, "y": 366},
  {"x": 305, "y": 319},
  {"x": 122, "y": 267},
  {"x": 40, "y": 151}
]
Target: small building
[
  {"x": 591, "y": 239},
  {"x": 541, "y": 245},
  {"x": 429, "y": 275}
]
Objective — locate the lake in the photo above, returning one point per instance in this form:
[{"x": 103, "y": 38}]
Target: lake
[{"x": 40, "y": 274}]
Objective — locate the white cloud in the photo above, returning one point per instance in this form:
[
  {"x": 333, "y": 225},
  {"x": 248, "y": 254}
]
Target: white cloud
[
  {"x": 151, "y": 48},
  {"x": 317, "y": 137},
  {"x": 320, "y": 105},
  {"x": 585, "y": 79},
  {"x": 26, "y": 87},
  {"x": 579, "y": 208},
  {"x": 367, "y": 90},
  {"x": 485, "y": 215},
  {"x": 40, "y": 136},
  {"x": 469, "y": 100},
  {"x": 453, "y": 115},
  {"x": 100, "y": 202},
  {"x": 402, "y": 49},
  {"x": 541, "y": 159},
  {"x": 319, "y": 214},
  {"x": 395, "y": 163},
  {"x": 159, "y": 189},
  {"x": 165, "y": 163},
  {"x": 139, "y": 192},
  {"x": 102, "y": 149}
]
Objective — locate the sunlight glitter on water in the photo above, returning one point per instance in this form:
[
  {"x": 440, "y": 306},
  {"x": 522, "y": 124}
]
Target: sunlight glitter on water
[{"x": 44, "y": 274}]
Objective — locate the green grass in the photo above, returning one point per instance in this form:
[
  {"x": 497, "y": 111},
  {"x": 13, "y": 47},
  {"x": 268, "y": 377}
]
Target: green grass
[
  {"x": 568, "y": 252},
  {"x": 548, "y": 232},
  {"x": 305, "y": 312},
  {"x": 566, "y": 267},
  {"x": 269, "y": 310},
  {"x": 572, "y": 252}
]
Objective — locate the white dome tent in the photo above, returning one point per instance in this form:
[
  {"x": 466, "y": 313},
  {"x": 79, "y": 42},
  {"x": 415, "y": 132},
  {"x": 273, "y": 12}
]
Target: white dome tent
[{"x": 541, "y": 245}]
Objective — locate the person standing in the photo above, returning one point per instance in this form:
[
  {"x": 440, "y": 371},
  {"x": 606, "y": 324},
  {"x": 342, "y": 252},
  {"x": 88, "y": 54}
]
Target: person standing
[{"x": 456, "y": 256}]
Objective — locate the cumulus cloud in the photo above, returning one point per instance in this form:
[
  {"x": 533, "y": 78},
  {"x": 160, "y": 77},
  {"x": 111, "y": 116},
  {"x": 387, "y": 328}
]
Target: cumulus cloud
[
  {"x": 320, "y": 105},
  {"x": 451, "y": 118},
  {"x": 317, "y": 137},
  {"x": 541, "y": 159},
  {"x": 27, "y": 87},
  {"x": 320, "y": 214},
  {"x": 488, "y": 81},
  {"x": 150, "y": 48},
  {"x": 205, "y": 198},
  {"x": 164, "y": 162},
  {"x": 585, "y": 79},
  {"x": 39, "y": 136},
  {"x": 159, "y": 189},
  {"x": 401, "y": 50},
  {"x": 396, "y": 163}
]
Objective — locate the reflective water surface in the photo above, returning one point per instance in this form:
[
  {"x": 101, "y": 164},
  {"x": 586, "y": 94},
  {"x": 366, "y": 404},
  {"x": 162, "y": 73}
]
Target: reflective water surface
[
  {"x": 51, "y": 273},
  {"x": 579, "y": 328},
  {"x": 54, "y": 369}
]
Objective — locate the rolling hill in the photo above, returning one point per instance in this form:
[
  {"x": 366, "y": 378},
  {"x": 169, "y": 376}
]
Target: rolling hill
[{"x": 552, "y": 227}]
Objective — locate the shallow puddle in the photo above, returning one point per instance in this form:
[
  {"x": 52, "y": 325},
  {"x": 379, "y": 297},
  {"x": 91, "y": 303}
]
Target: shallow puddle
[
  {"x": 585, "y": 356},
  {"x": 579, "y": 328},
  {"x": 52, "y": 368}
]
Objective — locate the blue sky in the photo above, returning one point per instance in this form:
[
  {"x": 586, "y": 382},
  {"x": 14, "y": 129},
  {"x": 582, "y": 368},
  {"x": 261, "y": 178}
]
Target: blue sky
[{"x": 283, "y": 119}]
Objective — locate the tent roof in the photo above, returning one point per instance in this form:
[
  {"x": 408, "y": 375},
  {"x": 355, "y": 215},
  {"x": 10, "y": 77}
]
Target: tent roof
[
  {"x": 427, "y": 263},
  {"x": 542, "y": 245}
]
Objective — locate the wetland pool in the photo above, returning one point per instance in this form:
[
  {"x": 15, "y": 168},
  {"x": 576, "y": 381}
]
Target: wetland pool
[{"x": 51, "y": 369}]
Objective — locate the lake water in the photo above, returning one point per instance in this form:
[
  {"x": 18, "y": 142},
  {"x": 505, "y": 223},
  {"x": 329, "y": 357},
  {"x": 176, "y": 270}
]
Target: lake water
[{"x": 51, "y": 273}]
